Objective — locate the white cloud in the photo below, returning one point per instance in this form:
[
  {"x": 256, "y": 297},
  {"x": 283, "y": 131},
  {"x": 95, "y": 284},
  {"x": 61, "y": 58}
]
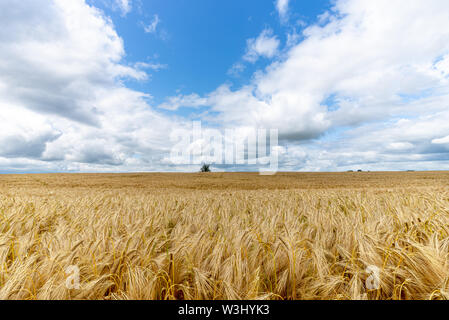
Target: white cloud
[
  {"x": 265, "y": 45},
  {"x": 365, "y": 64},
  {"x": 124, "y": 6},
  {"x": 152, "y": 27},
  {"x": 62, "y": 99},
  {"x": 151, "y": 66},
  {"x": 282, "y": 8},
  {"x": 399, "y": 146},
  {"x": 236, "y": 69},
  {"x": 367, "y": 87},
  {"x": 175, "y": 103},
  {"x": 444, "y": 140}
]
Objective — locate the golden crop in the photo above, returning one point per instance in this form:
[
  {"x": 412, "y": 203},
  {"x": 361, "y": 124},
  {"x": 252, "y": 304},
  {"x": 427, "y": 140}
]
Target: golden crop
[{"x": 225, "y": 236}]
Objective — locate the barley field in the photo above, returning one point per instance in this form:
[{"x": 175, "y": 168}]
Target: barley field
[{"x": 225, "y": 236}]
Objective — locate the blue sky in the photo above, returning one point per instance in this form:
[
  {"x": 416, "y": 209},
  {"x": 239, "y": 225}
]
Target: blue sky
[
  {"x": 199, "y": 41},
  {"x": 105, "y": 85}
]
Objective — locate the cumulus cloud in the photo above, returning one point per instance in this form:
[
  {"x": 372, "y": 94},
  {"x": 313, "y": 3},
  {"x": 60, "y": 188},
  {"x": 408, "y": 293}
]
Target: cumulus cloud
[
  {"x": 364, "y": 62},
  {"x": 62, "y": 99},
  {"x": 54, "y": 67},
  {"x": 366, "y": 87},
  {"x": 265, "y": 45}
]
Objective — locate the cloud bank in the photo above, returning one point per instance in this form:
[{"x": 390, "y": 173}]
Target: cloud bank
[
  {"x": 368, "y": 76},
  {"x": 63, "y": 103},
  {"x": 367, "y": 86}
]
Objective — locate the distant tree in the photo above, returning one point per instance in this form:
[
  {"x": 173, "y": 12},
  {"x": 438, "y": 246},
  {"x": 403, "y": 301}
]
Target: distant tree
[
  {"x": 360, "y": 170},
  {"x": 205, "y": 168}
]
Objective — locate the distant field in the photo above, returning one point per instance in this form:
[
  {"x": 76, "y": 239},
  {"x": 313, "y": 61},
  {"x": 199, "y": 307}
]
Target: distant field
[{"x": 225, "y": 235}]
